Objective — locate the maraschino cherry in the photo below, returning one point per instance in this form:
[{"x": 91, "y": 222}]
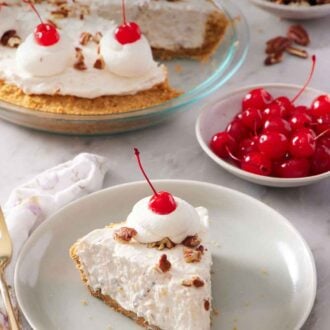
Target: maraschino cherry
[
  {"x": 128, "y": 32},
  {"x": 161, "y": 202},
  {"x": 276, "y": 137},
  {"x": 45, "y": 34}
]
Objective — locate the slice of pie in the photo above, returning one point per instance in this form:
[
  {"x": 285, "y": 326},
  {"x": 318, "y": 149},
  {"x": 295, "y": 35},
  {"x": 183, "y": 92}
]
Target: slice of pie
[
  {"x": 78, "y": 63},
  {"x": 163, "y": 284}
]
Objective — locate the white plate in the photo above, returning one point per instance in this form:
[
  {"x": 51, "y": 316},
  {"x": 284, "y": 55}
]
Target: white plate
[
  {"x": 264, "y": 273},
  {"x": 215, "y": 117},
  {"x": 294, "y": 12}
]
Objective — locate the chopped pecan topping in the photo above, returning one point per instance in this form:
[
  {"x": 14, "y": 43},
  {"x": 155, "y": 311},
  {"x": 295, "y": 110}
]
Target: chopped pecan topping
[
  {"x": 299, "y": 35},
  {"x": 191, "y": 255},
  {"x": 51, "y": 22},
  {"x": 206, "y": 304},
  {"x": 161, "y": 245},
  {"x": 61, "y": 12},
  {"x": 80, "y": 60},
  {"x": 277, "y": 45},
  {"x": 201, "y": 249},
  {"x": 10, "y": 39},
  {"x": 195, "y": 281},
  {"x": 85, "y": 38},
  {"x": 99, "y": 63},
  {"x": 191, "y": 241},
  {"x": 97, "y": 37},
  {"x": 164, "y": 265},
  {"x": 124, "y": 234}
]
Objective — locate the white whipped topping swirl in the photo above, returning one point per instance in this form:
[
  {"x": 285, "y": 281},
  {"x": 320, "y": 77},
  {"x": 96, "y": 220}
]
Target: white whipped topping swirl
[
  {"x": 151, "y": 227},
  {"x": 129, "y": 60},
  {"x": 44, "y": 61},
  {"x": 7, "y": 20}
]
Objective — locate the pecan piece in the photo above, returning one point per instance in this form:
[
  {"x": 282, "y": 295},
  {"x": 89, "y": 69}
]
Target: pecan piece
[
  {"x": 85, "y": 38},
  {"x": 206, "y": 304},
  {"x": 161, "y": 245},
  {"x": 299, "y": 35},
  {"x": 195, "y": 281},
  {"x": 191, "y": 255},
  {"x": 10, "y": 39},
  {"x": 163, "y": 264},
  {"x": 124, "y": 234},
  {"x": 277, "y": 45},
  {"x": 99, "y": 63},
  {"x": 97, "y": 37},
  {"x": 80, "y": 60},
  {"x": 191, "y": 241}
]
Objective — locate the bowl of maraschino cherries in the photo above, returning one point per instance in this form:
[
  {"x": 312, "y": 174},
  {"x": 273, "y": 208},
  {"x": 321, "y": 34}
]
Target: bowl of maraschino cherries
[{"x": 276, "y": 134}]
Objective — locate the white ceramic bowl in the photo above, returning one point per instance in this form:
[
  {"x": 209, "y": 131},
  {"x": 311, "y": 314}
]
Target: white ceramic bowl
[
  {"x": 216, "y": 116},
  {"x": 294, "y": 12}
]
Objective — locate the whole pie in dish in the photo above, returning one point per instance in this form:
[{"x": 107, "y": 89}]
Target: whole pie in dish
[{"x": 86, "y": 57}]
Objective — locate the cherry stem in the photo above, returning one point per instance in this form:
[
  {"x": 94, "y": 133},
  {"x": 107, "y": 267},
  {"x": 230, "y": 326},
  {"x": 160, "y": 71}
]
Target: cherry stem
[
  {"x": 33, "y": 8},
  {"x": 137, "y": 155},
  {"x": 232, "y": 155},
  {"x": 321, "y": 134},
  {"x": 308, "y": 80},
  {"x": 123, "y": 7}
]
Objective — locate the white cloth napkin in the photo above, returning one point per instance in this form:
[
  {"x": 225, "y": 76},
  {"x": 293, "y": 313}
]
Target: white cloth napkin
[{"x": 30, "y": 204}]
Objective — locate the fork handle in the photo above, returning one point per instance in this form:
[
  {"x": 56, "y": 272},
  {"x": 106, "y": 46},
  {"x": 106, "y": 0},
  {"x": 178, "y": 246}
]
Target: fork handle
[{"x": 7, "y": 302}]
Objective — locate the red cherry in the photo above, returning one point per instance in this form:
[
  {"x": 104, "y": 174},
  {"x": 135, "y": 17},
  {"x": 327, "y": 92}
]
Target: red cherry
[
  {"x": 221, "y": 143},
  {"x": 320, "y": 106},
  {"x": 277, "y": 124},
  {"x": 285, "y": 103},
  {"x": 274, "y": 110},
  {"x": 46, "y": 34},
  {"x": 248, "y": 145},
  {"x": 292, "y": 168},
  {"x": 161, "y": 202},
  {"x": 302, "y": 143},
  {"x": 323, "y": 125},
  {"x": 273, "y": 144},
  {"x": 321, "y": 158},
  {"x": 300, "y": 108},
  {"x": 237, "y": 130},
  {"x": 256, "y": 163},
  {"x": 128, "y": 33},
  {"x": 252, "y": 118},
  {"x": 257, "y": 98},
  {"x": 300, "y": 120}
]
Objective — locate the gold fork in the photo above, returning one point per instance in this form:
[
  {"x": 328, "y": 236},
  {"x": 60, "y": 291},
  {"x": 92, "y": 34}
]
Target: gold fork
[{"x": 5, "y": 256}]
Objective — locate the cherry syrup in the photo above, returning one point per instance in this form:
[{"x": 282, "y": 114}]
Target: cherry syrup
[
  {"x": 161, "y": 202},
  {"x": 45, "y": 34}
]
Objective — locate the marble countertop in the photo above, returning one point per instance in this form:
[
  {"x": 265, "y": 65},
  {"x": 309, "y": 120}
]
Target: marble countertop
[{"x": 171, "y": 150}]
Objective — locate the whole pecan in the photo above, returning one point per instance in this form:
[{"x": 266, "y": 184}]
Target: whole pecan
[
  {"x": 299, "y": 35},
  {"x": 277, "y": 45}
]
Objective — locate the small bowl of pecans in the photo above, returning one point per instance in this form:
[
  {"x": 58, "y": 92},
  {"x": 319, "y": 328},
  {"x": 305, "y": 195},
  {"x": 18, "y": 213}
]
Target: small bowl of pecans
[
  {"x": 295, "y": 9},
  {"x": 276, "y": 135}
]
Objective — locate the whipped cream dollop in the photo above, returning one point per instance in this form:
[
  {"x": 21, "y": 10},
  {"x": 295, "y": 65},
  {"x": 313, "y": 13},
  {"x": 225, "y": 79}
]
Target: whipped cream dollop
[
  {"x": 44, "y": 61},
  {"x": 129, "y": 60},
  {"x": 7, "y": 20},
  {"x": 151, "y": 227}
]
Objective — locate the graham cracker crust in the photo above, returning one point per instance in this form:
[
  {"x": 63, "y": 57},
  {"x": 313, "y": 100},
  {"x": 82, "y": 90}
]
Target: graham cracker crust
[
  {"x": 215, "y": 30},
  {"x": 71, "y": 105},
  {"x": 105, "y": 298}
]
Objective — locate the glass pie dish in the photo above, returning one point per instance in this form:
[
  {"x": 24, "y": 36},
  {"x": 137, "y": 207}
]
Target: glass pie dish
[{"x": 196, "y": 79}]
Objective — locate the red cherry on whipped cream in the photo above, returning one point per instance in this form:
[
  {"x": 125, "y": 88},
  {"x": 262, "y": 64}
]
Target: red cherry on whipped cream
[
  {"x": 161, "y": 202},
  {"x": 45, "y": 34},
  {"x": 128, "y": 32}
]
